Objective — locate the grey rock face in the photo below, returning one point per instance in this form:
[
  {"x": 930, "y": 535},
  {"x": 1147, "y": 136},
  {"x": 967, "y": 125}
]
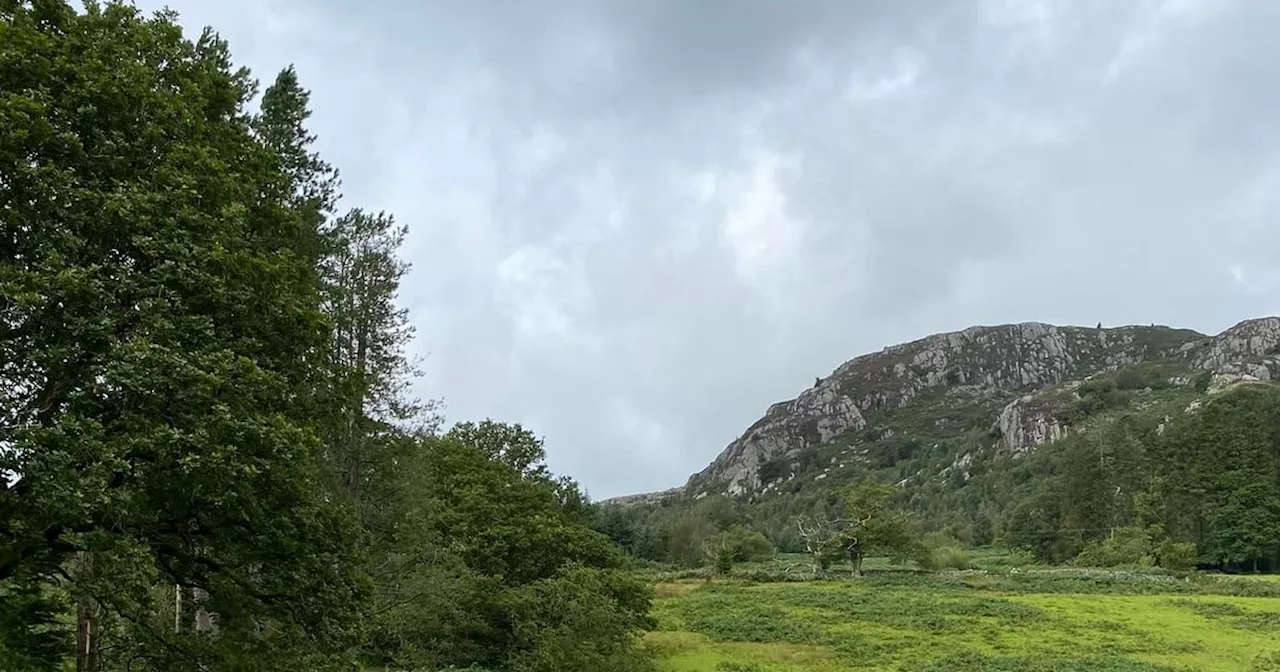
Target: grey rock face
[
  {"x": 642, "y": 498},
  {"x": 1025, "y": 357},
  {"x": 1248, "y": 341},
  {"x": 818, "y": 415},
  {"x": 1003, "y": 357},
  {"x": 1243, "y": 353},
  {"x": 1027, "y": 422}
]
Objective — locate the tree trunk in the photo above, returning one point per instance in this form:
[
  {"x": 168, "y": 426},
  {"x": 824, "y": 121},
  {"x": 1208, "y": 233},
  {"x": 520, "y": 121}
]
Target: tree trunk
[
  {"x": 87, "y": 630},
  {"x": 203, "y": 619},
  {"x": 87, "y": 636}
]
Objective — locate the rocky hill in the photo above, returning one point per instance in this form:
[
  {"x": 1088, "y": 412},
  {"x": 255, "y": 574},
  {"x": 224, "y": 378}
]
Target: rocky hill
[
  {"x": 1033, "y": 370},
  {"x": 1029, "y": 436}
]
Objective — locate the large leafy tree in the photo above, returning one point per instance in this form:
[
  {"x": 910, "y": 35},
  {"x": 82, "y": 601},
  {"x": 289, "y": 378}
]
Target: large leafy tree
[
  {"x": 488, "y": 566},
  {"x": 156, "y": 315}
]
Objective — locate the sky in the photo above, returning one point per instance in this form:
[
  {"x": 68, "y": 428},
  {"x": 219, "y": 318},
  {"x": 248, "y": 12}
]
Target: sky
[{"x": 635, "y": 224}]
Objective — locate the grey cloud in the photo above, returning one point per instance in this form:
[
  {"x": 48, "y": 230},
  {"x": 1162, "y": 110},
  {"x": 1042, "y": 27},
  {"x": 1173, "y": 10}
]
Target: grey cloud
[{"x": 637, "y": 223}]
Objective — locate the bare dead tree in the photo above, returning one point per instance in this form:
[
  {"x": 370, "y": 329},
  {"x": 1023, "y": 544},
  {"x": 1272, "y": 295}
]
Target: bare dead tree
[
  {"x": 713, "y": 548},
  {"x": 821, "y": 536},
  {"x": 817, "y": 534}
]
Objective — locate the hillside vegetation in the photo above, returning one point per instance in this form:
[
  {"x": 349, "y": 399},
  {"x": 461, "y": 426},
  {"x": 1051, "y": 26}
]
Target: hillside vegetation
[{"x": 1138, "y": 445}]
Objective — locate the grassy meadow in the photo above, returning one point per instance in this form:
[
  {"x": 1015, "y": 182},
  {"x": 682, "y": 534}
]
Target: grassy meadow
[{"x": 769, "y": 618}]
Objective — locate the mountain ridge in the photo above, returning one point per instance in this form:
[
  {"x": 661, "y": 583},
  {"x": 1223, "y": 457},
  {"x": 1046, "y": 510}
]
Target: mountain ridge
[{"x": 1032, "y": 369}]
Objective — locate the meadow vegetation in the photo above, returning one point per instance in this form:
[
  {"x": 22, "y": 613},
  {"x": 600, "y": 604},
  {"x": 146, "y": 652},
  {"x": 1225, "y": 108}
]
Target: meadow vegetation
[{"x": 995, "y": 619}]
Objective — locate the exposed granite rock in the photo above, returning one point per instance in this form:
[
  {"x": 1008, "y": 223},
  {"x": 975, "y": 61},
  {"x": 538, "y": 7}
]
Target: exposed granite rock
[
  {"x": 1244, "y": 353},
  {"x": 818, "y": 415},
  {"x": 642, "y": 498},
  {"x": 1023, "y": 359},
  {"x": 1029, "y": 421},
  {"x": 1247, "y": 342}
]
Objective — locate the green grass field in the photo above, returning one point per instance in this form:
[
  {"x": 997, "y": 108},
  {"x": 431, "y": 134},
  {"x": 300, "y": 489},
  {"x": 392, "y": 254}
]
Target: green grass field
[{"x": 1033, "y": 620}]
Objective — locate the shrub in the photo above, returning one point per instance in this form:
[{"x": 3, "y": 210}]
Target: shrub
[
  {"x": 748, "y": 545},
  {"x": 1266, "y": 662},
  {"x": 581, "y": 620},
  {"x": 1126, "y": 546},
  {"x": 1177, "y": 556},
  {"x": 724, "y": 563},
  {"x": 950, "y": 557}
]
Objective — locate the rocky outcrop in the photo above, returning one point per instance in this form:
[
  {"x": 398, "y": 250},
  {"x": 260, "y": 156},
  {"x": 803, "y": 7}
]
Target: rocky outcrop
[
  {"x": 1251, "y": 341},
  {"x": 1030, "y": 421},
  {"x": 1247, "y": 352},
  {"x": 818, "y": 415},
  {"x": 642, "y": 498},
  {"x": 1025, "y": 359},
  {"x": 1003, "y": 357}
]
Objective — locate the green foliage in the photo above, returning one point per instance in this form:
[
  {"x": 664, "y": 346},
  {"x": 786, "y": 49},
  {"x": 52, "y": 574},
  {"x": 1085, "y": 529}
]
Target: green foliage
[
  {"x": 949, "y": 557},
  {"x": 877, "y": 526},
  {"x": 162, "y": 318},
  {"x": 1202, "y": 381},
  {"x": 744, "y": 545},
  {"x": 723, "y": 562},
  {"x": 1126, "y": 546},
  {"x": 209, "y": 459},
  {"x": 1268, "y": 661},
  {"x": 487, "y": 564},
  {"x": 1098, "y": 396},
  {"x": 580, "y": 620},
  {"x": 1176, "y": 556},
  {"x": 774, "y": 469},
  {"x": 697, "y": 529},
  {"x": 510, "y": 444},
  {"x": 1218, "y": 471},
  {"x": 31, "y": 637},
  {"x": 972, "y": 621}
]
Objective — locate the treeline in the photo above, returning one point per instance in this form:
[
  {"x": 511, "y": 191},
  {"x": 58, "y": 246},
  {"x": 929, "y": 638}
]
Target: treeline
[
  {"x": 1185, "y": 484},
  {"x": 210, "y": 458},
  {"x": 1200, "y": 487},
  {"x": 851, "y": 523}
]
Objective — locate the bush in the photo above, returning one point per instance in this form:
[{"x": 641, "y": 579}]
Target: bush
[
  {"x": 748, "y": 545},
  {"x": 724, "y": 563},
  {"x": 1126, "y": 546},
  {"x": 1266, "y": 662},
  {"x": 1177, "y": 556},
  {"x": 1202, "y": 381},
  {"x": 581, "y": 620},
  {"x": 1130, "y": 379},
  {"x": 950, "y": 557}
]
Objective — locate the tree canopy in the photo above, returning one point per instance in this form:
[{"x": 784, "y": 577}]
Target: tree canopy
[{"x": 210, "y": 458}]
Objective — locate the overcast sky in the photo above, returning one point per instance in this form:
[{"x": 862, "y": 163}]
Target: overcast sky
[{"x": 634, "y": 224}]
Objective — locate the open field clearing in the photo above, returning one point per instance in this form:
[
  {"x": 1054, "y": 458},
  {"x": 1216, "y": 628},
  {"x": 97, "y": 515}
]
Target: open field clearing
[{"x": 1034, "y": 621}]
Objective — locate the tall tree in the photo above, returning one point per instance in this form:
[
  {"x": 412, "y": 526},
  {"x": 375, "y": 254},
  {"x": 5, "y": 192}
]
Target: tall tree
[
  {"x": 156, "y": 316},
  {"x": 369, "y": 365},
  {"x": 310, "y": 181}
]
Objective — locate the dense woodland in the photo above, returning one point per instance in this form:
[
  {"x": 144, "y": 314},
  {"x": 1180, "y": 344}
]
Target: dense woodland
[{"x": 211, "y": 458}]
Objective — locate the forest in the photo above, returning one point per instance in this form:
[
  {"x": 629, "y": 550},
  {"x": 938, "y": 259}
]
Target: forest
[{"x": 211, "y": 459}]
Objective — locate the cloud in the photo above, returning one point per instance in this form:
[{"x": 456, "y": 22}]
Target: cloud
[{"x": 636, "y": 224}]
